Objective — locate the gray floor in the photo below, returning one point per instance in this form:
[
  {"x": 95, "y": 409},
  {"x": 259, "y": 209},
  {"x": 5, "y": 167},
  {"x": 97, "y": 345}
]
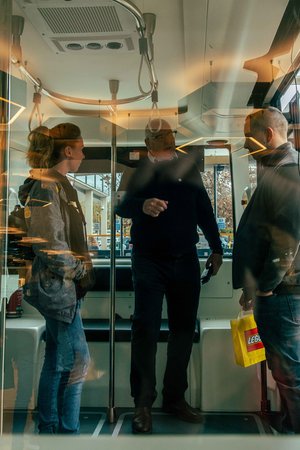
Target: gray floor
[
  {"x": 95, "y": 423},
  {"x": 212, "y": 424}
]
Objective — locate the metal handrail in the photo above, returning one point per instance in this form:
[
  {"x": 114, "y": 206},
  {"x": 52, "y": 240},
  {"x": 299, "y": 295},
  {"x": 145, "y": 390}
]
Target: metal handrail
[{"x": 98, "y": 102}]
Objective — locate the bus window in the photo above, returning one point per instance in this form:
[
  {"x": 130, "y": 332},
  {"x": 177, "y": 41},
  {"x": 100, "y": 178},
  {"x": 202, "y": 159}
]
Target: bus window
[
  {"x": 217, "y": 181},
  {"x": 94, "y": 191}
]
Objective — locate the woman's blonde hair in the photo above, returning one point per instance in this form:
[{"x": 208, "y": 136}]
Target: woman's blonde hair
[{"x": 46, "y": 145}]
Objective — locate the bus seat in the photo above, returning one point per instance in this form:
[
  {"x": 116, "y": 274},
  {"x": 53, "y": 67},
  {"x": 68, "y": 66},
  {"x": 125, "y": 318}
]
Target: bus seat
[
  {"x": 24, "y": 352},
  {"x": 225, "y": 386},
  {"x": 123, "y": 279},
  {"x": 97, "y": 330}
]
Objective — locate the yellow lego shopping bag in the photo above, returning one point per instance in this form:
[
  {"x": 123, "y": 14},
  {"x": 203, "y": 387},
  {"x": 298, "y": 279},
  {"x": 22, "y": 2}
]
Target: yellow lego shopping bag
[{"x": 247, "y": 345}]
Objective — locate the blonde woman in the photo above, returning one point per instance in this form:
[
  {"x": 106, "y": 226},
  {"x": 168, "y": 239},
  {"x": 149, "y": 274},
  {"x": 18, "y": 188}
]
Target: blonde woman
[{"x": 59, "y": 275}]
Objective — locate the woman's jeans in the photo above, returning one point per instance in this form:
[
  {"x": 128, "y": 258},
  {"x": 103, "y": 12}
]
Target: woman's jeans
[
  {"x": 64, "y": 370},
  {"x": 278, "y": 322}
]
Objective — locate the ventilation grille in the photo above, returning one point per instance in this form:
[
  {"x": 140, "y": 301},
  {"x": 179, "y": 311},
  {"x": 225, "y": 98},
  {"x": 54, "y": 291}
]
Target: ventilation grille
[
  {"x": 82, "y": 25},
  {"x": 87, "y": 19}
]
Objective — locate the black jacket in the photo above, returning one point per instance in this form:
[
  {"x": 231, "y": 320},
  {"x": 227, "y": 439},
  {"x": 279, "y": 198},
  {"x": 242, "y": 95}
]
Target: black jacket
[
  {"x": 174, "y": 231},
  {"x": 266, "y": 244}
]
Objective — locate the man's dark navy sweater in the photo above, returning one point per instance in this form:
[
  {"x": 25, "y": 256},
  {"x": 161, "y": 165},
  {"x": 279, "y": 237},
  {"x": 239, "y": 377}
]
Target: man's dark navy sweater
[{"x": 174, "y": 231}]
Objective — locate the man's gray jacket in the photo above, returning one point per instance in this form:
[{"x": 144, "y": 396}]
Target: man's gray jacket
[{"x": 266, "y": 247}]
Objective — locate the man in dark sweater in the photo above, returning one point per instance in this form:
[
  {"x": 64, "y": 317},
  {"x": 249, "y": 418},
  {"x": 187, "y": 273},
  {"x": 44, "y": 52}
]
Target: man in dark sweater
[
  {"x": 266, "y": 260},
  {"x": 166, "y": 200}
]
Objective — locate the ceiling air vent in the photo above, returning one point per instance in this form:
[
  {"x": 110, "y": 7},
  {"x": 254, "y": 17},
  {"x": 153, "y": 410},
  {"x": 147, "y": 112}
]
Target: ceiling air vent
[
  {"x": 91, "y": 27},
  {"x": 82, "y": 19}
]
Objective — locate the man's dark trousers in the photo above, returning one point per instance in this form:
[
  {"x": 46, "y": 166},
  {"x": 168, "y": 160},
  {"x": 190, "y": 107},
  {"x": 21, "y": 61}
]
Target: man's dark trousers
[{"x": 178, "y": 278}]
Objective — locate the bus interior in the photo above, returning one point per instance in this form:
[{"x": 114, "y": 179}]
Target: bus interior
[{"x": 110, "y": 66}]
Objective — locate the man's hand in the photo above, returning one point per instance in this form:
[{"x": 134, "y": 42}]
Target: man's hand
[
  {"x": 248, "y": 296},
  {"x": 215, "y": 260},
  {"x": 246, "y": 302},
  {"x": 154, "y": 206}
]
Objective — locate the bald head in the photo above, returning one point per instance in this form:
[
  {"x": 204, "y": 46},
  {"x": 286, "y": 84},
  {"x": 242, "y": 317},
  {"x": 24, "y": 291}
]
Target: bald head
[
  {"x": 155, "y": 126},
  {"x": 268, "y": 118},
  {"x": 265, "y": 131},
  {"x": 159, "y": 139}
]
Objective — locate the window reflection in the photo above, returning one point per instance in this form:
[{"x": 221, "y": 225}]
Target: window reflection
[
  {"x": 218, "y": 183},
  {"x": 216, "y": 176}
]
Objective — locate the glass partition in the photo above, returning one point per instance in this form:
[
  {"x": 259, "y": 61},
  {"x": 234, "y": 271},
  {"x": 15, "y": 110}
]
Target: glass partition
[{"x": 109, "y": 71}]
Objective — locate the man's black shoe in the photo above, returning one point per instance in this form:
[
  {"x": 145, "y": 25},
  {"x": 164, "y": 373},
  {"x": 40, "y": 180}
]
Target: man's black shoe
[
  {"x": 142, "y": 420},
  {"x": 183, "y": 411}
]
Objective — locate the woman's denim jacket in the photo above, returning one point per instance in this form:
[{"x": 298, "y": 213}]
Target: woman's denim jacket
[{"x": 50, "y": 282}]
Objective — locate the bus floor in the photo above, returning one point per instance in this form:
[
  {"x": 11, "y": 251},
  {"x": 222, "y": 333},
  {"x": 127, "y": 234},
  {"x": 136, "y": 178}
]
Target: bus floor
[{"x": 93, "y": 422}]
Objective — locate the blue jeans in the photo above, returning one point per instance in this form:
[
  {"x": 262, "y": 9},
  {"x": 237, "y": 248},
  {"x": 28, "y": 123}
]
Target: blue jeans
[
  {"x": 64, "y": 370},
  {"x": 278, "y": 322},
  {"x": 178, "y": 278}
]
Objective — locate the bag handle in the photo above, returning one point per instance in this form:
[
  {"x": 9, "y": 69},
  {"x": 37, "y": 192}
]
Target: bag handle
[{"x": 244, "y": 313}]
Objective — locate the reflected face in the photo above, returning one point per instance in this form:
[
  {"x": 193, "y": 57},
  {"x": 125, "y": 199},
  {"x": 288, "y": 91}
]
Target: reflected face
[
  {"x": 255, "y": 141},
  {"x": 162, "y": 145},
  {"x": 77, "y": 155}
]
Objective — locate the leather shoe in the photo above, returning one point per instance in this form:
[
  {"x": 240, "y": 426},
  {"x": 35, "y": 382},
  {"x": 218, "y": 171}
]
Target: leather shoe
[
  {"x": 142, "y": 420},
  {"x": 183, "y": 411}
]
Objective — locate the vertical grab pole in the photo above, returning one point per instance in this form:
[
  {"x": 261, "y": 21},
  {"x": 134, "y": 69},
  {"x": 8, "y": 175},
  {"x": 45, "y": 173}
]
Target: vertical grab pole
[
  {"x": 265, "y": 405},
  {"x": 3, "y": 303},
  {"x": 113, "y": 86},
  {"x": 5, "y": 87}
]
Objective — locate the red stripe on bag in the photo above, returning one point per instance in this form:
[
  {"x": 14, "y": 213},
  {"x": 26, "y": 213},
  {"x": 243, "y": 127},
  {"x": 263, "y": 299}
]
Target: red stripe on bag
[{"x": 253, "y": 340}]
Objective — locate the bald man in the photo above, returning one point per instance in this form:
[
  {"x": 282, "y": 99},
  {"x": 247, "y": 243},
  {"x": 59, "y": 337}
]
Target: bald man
[
  {"x": 266, "y": 260},
  {"x": 166, "y": 200}
]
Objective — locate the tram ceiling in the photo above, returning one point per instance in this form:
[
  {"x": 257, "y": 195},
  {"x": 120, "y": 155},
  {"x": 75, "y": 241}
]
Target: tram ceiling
[{"x": 197, "y": 44}]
